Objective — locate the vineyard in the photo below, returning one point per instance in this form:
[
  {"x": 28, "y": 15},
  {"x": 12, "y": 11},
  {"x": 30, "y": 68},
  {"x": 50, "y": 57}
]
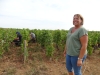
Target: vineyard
[
  {"x": 50, "y": 42},
  {"x": 46, "y": 39}
]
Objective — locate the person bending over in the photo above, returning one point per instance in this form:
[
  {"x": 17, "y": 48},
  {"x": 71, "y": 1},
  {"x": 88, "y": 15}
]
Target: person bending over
[
  {"x": 32, "y": 38},
  {"x": 17, "y": 41}
]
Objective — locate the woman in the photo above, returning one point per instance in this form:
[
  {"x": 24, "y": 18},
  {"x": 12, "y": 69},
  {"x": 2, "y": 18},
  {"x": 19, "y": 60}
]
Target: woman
[{"x": 76, "y": 46}]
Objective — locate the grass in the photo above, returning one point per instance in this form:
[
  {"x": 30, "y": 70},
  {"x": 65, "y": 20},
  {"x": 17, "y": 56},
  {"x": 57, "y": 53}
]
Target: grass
[
  {"x": 9, "y": 71},
  {"x": 37, "y": 70},
  {"x": 33, "y": 71}
]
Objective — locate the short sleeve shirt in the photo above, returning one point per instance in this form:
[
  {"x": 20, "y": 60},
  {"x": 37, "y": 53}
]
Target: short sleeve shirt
[{"x": 73, "y": 41}]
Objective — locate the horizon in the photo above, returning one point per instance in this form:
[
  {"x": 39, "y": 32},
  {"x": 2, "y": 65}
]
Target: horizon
[{"x": 46, "y": 29}]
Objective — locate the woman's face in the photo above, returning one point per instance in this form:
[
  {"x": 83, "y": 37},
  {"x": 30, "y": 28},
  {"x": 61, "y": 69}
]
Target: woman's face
[{"x": 76, "y": 20}]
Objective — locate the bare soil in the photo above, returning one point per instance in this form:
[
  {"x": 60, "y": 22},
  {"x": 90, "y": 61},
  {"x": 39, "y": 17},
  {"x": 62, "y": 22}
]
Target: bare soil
[{"x": 12, "y": 63}]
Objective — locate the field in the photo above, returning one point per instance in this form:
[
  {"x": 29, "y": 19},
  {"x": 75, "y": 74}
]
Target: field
[{"x": 45, "y": 57}]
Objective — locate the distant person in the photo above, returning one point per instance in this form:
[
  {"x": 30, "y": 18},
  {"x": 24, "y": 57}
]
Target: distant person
[
  {"x": 17, "y": 41},
  {"x": 32, "y": 38},
  {"x": 76, "y": 46}
]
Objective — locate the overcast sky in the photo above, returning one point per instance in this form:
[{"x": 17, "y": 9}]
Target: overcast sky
[{"x": 48, "y": 14}]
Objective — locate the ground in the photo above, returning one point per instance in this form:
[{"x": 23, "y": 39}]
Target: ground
[{"x": 12, "y": 63}]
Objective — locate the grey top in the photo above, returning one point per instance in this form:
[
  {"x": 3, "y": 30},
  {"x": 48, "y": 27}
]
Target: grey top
[
  {"x": 32, "y": 35},
  {"x": 73, "y": 41}
]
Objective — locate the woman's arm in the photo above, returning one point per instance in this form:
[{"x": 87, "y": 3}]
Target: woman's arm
[
  {"x": 84, "y": 43},
  {"x": 65, "y": 50}
]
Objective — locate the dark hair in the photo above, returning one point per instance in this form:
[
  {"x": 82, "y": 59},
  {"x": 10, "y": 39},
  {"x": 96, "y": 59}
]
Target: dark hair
[
  {"x": 80, "y": 16},
  {"x": 18, "y": 33}
]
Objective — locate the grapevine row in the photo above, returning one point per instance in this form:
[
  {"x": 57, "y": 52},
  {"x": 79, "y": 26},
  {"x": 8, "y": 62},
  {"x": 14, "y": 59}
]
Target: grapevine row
[{"x": 48, "y": 39}]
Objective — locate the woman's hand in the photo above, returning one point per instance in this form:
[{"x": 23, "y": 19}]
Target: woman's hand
[
  {"x": 64, "y": 53},
  {"x": 79, "y": 62}
]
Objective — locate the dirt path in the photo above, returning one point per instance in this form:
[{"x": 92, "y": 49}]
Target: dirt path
[{"x": 35, "y": 66}]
